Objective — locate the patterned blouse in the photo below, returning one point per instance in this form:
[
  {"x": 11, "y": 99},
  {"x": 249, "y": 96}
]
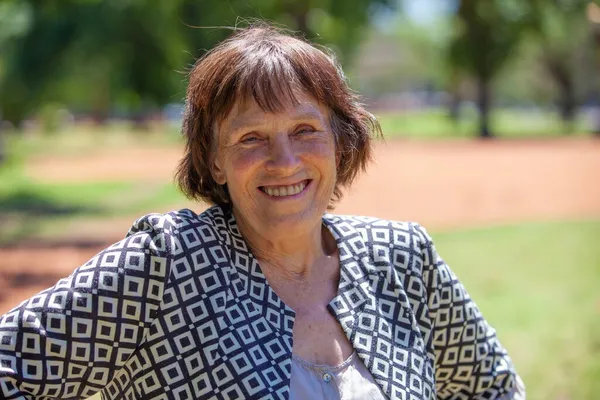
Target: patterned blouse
[{"x": 180, "y": 309}]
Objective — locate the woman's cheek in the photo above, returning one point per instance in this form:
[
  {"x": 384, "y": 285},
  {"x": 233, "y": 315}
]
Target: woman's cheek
[
  {"x": 244, "y": 160},
  {"x": 319, "y": 147}
]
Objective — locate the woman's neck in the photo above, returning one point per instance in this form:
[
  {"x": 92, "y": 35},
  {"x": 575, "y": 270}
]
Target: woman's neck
[{"x": 291, "y": 255}]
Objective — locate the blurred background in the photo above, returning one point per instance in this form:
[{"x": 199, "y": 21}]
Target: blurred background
[{"x": 490, "y": 111}]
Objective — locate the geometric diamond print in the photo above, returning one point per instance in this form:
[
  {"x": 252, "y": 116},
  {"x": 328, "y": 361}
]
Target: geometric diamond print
[{"x": 180, "y": 309}]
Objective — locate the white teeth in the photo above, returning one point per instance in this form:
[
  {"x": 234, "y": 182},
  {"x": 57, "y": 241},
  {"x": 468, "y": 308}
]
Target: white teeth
[{"x": 285, "y": 190}]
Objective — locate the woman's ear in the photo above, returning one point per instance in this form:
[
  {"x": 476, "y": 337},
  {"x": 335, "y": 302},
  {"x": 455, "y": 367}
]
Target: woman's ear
[
  {"x": 217, "y": 172},
  {"x": 216, "y": 167}
]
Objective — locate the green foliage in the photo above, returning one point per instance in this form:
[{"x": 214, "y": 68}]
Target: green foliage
[
  {"x": 490, "y": 34},
  {"x": 485, "y": 35},
  {"x": 404, "y": 57},
  {"x": 16, "y": 19},
  {"x": 562, "y": 33},
  {"x": 131, "y": 56}
]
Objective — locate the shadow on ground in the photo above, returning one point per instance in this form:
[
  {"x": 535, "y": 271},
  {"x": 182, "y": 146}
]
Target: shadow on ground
[
  {"x": 22, "y": 211},
  {"x": 25, "y": 201},
  {"x": 30, "y": 266},
  {"x": 14, "y": 284}
]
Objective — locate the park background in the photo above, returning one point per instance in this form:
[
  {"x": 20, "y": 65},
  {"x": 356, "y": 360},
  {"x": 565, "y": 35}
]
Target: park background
[{"x": 491, "y": 119}]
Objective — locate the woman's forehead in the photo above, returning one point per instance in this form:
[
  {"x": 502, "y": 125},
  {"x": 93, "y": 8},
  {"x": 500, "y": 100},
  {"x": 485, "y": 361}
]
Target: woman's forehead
[{"x": 249, "y": 113}]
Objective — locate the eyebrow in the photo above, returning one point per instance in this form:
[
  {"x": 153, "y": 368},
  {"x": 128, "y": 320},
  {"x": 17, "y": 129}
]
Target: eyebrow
[{"x": 250, "y": 123}]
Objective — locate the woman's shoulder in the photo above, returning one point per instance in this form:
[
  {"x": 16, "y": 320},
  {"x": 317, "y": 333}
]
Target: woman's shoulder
[
  {"x": 177, "y": 230},
  {"x": 374, "y": 228},
  {"x": 176, "y": 221},
  {"x": 405, "y": 245}
]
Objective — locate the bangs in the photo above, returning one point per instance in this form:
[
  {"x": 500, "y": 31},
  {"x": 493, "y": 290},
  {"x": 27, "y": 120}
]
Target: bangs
[
  {"x": 273, "y": 73},
  {"x": 271, "y": 81}
]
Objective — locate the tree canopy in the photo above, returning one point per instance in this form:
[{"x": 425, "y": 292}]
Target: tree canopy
[{"x": 132, "y": 55}]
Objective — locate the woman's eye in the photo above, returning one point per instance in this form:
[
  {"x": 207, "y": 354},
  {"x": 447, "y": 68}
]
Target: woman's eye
[
  {"x": 304, "y": 130},
  {"x": 249, "y": 139}
]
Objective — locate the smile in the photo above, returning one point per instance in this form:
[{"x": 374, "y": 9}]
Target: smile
[{"x": 281, "y": 191}]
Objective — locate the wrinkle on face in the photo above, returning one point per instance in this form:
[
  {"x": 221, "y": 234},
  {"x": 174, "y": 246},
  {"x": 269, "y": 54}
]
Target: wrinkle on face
[{"x": 257, "y": 148}]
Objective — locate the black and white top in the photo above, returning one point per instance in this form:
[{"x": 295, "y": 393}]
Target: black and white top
[{"x": 180, "y": 309}]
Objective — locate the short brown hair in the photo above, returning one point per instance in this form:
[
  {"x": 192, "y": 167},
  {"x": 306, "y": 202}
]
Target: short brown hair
[{"x": 269, "y": 65}]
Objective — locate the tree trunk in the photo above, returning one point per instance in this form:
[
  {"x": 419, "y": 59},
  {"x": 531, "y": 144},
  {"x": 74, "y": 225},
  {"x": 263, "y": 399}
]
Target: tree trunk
[
  {"x": 561, "y": 74},
  {"x": 596, "y": 120},
  {"x": 567, "y": 104},
  {"x": 455, "y": 97},
  {"x": 299, "y": 12},
  {"x": 454, "y": 106},
  {"x": 301, "y": 22},
  {"x": 596, "y": 115},
  {"x": 483, "y": 105},
  {"x": 2, "y": 146}
]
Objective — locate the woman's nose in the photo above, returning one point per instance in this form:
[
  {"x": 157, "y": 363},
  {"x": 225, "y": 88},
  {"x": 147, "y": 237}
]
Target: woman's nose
[{"x": 282, "y": 155}]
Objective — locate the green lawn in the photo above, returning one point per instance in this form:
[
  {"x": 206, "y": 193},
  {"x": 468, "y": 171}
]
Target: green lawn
[
  {"x": 537, "y": 284},
  {"x": 32, "y": 209},
  {"x": 505, "y": 123}
]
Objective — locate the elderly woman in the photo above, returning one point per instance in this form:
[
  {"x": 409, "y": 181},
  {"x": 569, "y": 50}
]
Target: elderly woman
[{"x": 263, "y": 295}]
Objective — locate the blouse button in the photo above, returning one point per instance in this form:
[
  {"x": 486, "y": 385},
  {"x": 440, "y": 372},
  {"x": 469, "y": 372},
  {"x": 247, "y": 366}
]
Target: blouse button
[{"x": 327, "y": 377}]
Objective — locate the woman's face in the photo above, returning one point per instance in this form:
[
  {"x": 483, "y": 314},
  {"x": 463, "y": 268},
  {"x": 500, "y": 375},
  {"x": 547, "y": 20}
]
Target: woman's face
[{"x": 280, "y": 168}]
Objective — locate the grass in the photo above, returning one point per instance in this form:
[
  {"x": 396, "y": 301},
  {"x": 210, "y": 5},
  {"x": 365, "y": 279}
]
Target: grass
[
  {"x": 88, "y": 139},
  {"x": 37, "y": 210},
  {"x": 505, "y": 123},
  {"x": 33, "y": 209},
  {"x": 537, "y": 284}
]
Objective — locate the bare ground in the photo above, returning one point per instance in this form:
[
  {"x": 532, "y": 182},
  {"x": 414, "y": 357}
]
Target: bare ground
[{"x": 439, "y": 184}]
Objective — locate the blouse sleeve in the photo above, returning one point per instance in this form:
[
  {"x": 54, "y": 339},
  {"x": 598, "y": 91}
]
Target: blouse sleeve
[
  {"x": 68, "y": 341},
  {"x": 470, "y": 362}
]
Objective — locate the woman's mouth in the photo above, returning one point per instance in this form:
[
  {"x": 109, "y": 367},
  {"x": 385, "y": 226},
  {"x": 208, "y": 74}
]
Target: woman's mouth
[{"x": 285, "y": 190}]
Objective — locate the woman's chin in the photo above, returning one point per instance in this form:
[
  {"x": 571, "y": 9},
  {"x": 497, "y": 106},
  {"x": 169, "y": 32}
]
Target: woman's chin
[
  {"x": 280, "y": 217},
  {"x": 291, "y": 223}
]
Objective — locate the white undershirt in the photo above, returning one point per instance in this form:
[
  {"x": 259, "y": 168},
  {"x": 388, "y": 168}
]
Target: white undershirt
[{"x": 350, "y": 380}]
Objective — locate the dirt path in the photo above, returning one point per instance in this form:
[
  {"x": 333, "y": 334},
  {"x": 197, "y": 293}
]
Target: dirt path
[
  {"x": 464, "y": 184},
  {"x": 439, "y": 184}
]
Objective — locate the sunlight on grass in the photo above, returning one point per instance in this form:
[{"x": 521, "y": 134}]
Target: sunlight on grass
[
  {"x": 88, "y": 139},
  {"x": 41, "y": 211},
  {"x": 505, "y": 123},
  {"x": 31, "y": 209},
  {"x": 537, "y": 285}
]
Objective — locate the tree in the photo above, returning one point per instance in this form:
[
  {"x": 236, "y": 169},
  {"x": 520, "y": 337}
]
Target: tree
[
  {"x": 97, "y": 55},
  {"x": 485, "y": 35},
  {"x": 561, "y": 31},
  {"x": 30, "y": 59},
  {"x": 593, "y": 15},
  {"x": 403, "y": 56}
]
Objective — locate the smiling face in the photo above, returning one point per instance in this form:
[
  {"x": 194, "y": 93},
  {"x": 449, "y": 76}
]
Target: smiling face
[{"x": 280, "y": 168}]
